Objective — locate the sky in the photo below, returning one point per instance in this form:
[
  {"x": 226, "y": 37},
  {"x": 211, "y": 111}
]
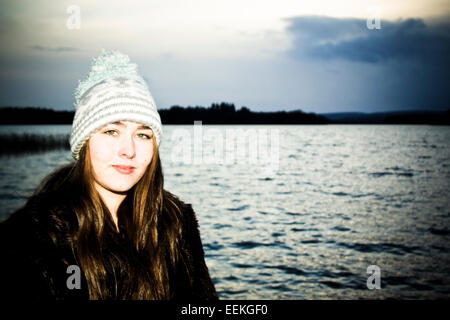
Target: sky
[{"x": 316, "y": 56}]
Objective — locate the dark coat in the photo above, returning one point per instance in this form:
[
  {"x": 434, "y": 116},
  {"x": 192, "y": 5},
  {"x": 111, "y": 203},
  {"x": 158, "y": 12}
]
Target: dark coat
[{"x": 35, "y": 266}]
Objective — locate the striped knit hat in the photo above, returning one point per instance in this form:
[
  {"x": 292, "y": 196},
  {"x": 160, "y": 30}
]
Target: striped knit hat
[{"x": 113, "y": 91}]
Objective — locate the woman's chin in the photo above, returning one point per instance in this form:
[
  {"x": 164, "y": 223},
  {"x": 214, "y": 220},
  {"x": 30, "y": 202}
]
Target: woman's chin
[{"x": 120, "y": 189}]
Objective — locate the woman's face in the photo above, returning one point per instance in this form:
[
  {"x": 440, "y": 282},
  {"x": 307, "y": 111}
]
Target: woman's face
[{"x": 120, "y": 153}]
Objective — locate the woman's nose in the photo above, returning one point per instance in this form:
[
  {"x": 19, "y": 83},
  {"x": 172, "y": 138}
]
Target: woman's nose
[{"x": 127, "y": 148}]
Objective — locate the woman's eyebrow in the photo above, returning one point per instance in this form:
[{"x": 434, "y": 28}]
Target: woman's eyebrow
[{"x": 120, "y": 123}]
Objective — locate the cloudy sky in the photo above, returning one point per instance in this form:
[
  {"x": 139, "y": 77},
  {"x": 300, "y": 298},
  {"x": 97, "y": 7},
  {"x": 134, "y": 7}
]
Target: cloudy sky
[{"x": 318, "y": 56}]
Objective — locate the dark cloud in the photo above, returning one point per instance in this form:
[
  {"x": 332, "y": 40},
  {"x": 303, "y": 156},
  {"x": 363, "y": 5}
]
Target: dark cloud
[
  {"x": 407, "y": 61},
  {"x": 53, "y": 49},
  {"x": 350, "y": 39}
]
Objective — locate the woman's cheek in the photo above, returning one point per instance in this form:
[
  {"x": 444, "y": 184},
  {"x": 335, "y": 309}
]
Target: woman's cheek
[
  {"x": 100, "y": 153},
  {"x": 147, "y": 152}
]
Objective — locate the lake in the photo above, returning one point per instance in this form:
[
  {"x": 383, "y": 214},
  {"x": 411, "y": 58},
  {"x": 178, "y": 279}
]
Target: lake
[{"x": 301, "y": 211}]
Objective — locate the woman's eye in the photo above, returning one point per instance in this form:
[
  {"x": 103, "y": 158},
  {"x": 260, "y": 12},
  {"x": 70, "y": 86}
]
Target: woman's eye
[
  {"x": 144, "y": 136},
  {"x": 111, "y": 132}
]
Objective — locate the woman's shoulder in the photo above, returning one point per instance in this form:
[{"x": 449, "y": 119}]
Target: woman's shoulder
[
  {"x": 186, "y": 209},
  {"x": 189, "y": 221},
  {"x": 201, "y": 286},
  {"x": 40, "y": 217},
  {"x": 35, "y": 249},
  {"x": 47, "y": 206}
]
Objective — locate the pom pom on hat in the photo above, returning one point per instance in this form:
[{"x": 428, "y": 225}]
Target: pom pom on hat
[{"x": 109, "y": 64}]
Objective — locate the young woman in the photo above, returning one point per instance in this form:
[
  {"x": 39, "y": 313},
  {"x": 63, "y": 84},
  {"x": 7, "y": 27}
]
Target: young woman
[{"x": 103, "y": 227}]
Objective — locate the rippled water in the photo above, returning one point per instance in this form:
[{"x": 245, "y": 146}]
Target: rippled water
[{"x": 340, "y": 198}]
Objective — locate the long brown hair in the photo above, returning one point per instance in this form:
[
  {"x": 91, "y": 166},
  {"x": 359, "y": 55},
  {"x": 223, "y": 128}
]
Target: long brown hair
[{"x": 149, "y": 218}]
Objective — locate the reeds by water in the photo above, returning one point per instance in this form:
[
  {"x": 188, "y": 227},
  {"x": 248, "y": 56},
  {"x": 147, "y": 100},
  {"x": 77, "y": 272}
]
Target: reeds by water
[{"x": 15, "y": 144}]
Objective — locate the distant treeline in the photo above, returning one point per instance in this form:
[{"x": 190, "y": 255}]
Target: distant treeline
[
  {"x": 34, "y": 115},
  {"x": 226, "y": 113},
  {"x": 223, "y": 113}
]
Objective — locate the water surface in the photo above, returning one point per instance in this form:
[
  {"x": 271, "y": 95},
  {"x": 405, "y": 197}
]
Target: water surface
[{"x": 342, "y": 197}]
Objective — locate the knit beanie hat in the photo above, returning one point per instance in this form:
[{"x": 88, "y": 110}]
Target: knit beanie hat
[{"x": 113, "y": 91}]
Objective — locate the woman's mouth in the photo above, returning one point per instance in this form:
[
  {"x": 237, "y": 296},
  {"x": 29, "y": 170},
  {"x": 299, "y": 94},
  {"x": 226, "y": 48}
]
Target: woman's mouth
[{"x": 124, "y": 169}]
